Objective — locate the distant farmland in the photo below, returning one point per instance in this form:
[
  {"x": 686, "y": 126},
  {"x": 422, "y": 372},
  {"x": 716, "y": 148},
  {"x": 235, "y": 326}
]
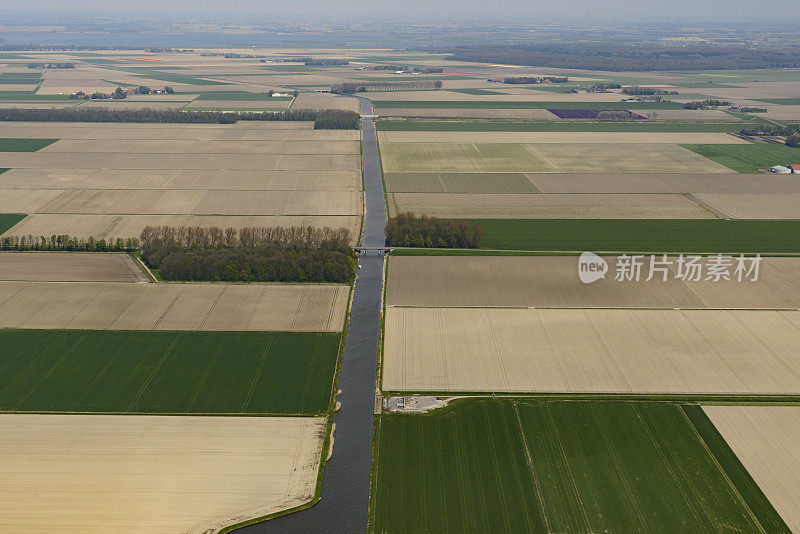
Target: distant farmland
[
  {"x": 166, "y": 372},
  {"x": 528, "y": 466}
]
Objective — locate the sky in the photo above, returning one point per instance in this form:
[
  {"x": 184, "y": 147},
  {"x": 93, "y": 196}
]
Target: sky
[{"x": 525, "y": 9}]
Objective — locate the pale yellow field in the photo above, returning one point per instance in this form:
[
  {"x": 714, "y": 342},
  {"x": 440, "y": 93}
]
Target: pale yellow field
[
  {"x": 223, "y": 307},
  {"x": 325, "y": 101},
  {"x": 185, "y": 146},
  {"x": 110, "y": 227},
  {"x": 467, "y": 113},
  {"x": 69, "y": 267},
  {"x": 552, "y": 281},
  {"x": 557, "y": 137},
  {"x": 124, "y": 104},
  {"x": 624, "y": 158},
  {"x": 245, "y": 131},
  {"x": 179, "y": 179},
  {"x": 154, "y": 474},
  {"x": 548, "y": 206},
  {"x": 663, "y": 183},
  {"x": 755, "y": 205},
  {"x": 257, "y": 105},
  {"x": 180, "y": 202},
  {"x": 591, "y": 351},
  {"x": 766, "y": 439}
]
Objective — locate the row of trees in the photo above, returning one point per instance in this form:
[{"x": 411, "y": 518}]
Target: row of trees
[
  {"x": 407, "y": 68},
  {"x": 349, "y": 88},
  {"x": 67, "y": 243},
  {"x": 626, "y": 57},
  {"x": 603, "y": 87},
  {"x": 536, "y": 79},
  {"x": 646, "y": 91},
  {"x": 325, "y": 62},
  {"x": 276, "y": 254},
  {"x": 325, "y": 119},
  {"x": 747, "y": 109},
  {"x": 51, "y": 65},
  {"x": 408, "y": 230},
  {"x": 705, "y": 104}
]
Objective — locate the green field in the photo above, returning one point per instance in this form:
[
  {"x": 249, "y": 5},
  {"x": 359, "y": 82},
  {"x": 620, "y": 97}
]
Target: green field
[
  {"x": 784, "y": 101},
  {"x": 748, "y": 158},
  {"x": 503, "y": 104},
  {"x": 242, "y": 96},
  {"x": 475, "y": 92},
  {"x": 410, "y": 125},
  {"x": 166, "y": 372},
  {"x": 13, "y": 144},
  {"x": 746, "y": 75},
  {"x": 531, "y": 466},
  {"x": 14, "y": 96},
  {"x": 421, "y": 182},
  {"x": 35, "y": 76},
  {"x": 460, "y": 157},
  {"x": 8, "y": 220},
  {"x": 642, "y": 235},
  {"x": 173, "y": 77}
]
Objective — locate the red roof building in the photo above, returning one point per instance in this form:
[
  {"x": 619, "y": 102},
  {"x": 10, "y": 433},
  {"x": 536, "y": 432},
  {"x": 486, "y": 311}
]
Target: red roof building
[{"x": 795, "y": 168}]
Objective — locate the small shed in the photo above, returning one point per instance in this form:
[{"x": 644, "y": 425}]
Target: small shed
[{"x": 795, "y": 168}]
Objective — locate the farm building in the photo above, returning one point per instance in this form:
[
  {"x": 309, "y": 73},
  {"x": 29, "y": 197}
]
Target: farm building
[
  {"x": 795, "y": 168},
  {"x": 780, "y": 169}
]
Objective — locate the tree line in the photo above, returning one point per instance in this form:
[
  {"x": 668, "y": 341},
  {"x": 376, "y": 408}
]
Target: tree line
[
  {"x": 408, "y": 230},
  {"x": 646, "y": 91},
  {"x": 270, "y": 254},
  {"x": 407, "y": 68},
  {"x": 536, "y": 79},
  {"x": 324, "y": 119},
  {"x": 626, "y": 57},
  {"x": 325, "y": 62},
  {"x": 349, "y": 88},
  {"x": 67, "y": 243},
  {"x": 705, "y": 104}
]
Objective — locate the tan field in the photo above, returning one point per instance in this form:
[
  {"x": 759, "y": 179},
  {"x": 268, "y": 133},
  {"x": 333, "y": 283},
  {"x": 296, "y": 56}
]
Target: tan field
[
  {"x": 467, "y": 113},
  {"x": 591, "y": 351},
  {"x": 162, "y": 474},
  {"x": 255, "y": 162},
  {"x": 766, "y": 439},
  {"x": 663, "y": 183},
  {"x": 123, "y": 104},
  {"x": 183, "y": 202},
  {"x": 325, "y": 101},
  {"x": 110, "y": 227},
  {"x": 689, "y": 114},
  {"x": 552, "y": 282},
  {"x": 623, "y": 158},
  {"x": 781, "y": 112},
  {"x": 548, "y": 206},
  {"x": 180, "y": 179},
  {"x": 69, "y": 267},
  {"x": 223, "y": 307},
  {"x": 257, "y": 105},
  {"x": 556, "y": 137},
  {"x": 150, "y": 146},
  {"x": 755, "y": 205}
]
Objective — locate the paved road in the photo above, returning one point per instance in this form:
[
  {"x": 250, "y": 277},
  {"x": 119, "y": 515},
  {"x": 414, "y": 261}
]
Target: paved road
[{"x": 345, "y": 486}]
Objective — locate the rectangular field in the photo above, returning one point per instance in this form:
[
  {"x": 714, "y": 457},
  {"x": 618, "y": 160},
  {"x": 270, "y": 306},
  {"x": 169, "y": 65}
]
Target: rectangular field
[
  {"x": 23, "y": 144},
  {"x": 526, "y": 466},
  {"x": 194, "y": 146},
  {"x": 421, "y": 182},
  {"x": 454, "y": 157},
  {"x": 69, "y": 267},
  {"x": 167, "y": 372},
  {"x": 548, "y": 206},
  {"x": 552, "y": 282},
  {"x": 152, "y": 474},
  {"x": 631, "y": 351},
  {"x": 749, "y": 158},
  {"x": 209, "y": 307},
  {"x": 505, "y": 104},
  {"x": 656, "y": 235},
  {"x": 558, "y": 137},
  {"x": 755, "y": 205},
  {"x": 765, "y": 439}
]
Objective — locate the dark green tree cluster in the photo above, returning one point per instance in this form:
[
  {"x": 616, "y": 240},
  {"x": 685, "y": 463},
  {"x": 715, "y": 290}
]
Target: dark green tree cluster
[
  {"x": 407, "y": 68},
  {"x": 603, "y": 87},
  {"x": 646, "y": 91},
  {"x": 793, "y": 140},
  {"x": 748, "y": 109},
  {"x": 771, "y": 129},
  {"x": 407, "y": 230},
  {"x": 68, "y": 243},
  {"x": 620, "y": 56},
  {"x": 324, "y": 119},
  {"x": 705, "y": 104},
  {"x": 276, "y": 254},
  {"x": 348, "y": 88},
  {"x": 51, "y": 65},
  {"x": 536, "y": 79},
  {"x": 325, "y": 62}
]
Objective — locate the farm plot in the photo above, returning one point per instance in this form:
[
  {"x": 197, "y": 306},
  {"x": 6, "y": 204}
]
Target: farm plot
[
  {"x": 454, "y": 157},
  {"x": 765, "y": 439},
  {"x": 749, "y": 158},
  {"x": 145, "y": 146},
  {"x": 630, "y": 138},
  {"x": 663, "y": 183},
  {"x": 420, "y": 182},
  {"x": 755, "y": 205},
  {"x": 552, "y": 282},
  {"x": 111, "y": 227},
  {"x": 211, "y": 307},
  {"x": 549, "y": 206},
  {"x": 603, "y": 158},
  {"x": 155, "y": 474},
  {"x": 180, "y": 179},
  {"x": 23, "y": 144},
  {"x": 167, "y": 372},
  {"x": 631, "y": 351},
  {"x": 541, "y": 114},
  {"x": 518, "y": 465},
  {"x": 261, "y": 131},
  {"x": 325, "y": 101},
  {"x": 69, "y": 267}
]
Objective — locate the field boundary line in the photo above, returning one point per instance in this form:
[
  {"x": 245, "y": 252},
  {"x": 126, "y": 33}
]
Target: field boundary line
[{"x": 708, "y": 207}]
